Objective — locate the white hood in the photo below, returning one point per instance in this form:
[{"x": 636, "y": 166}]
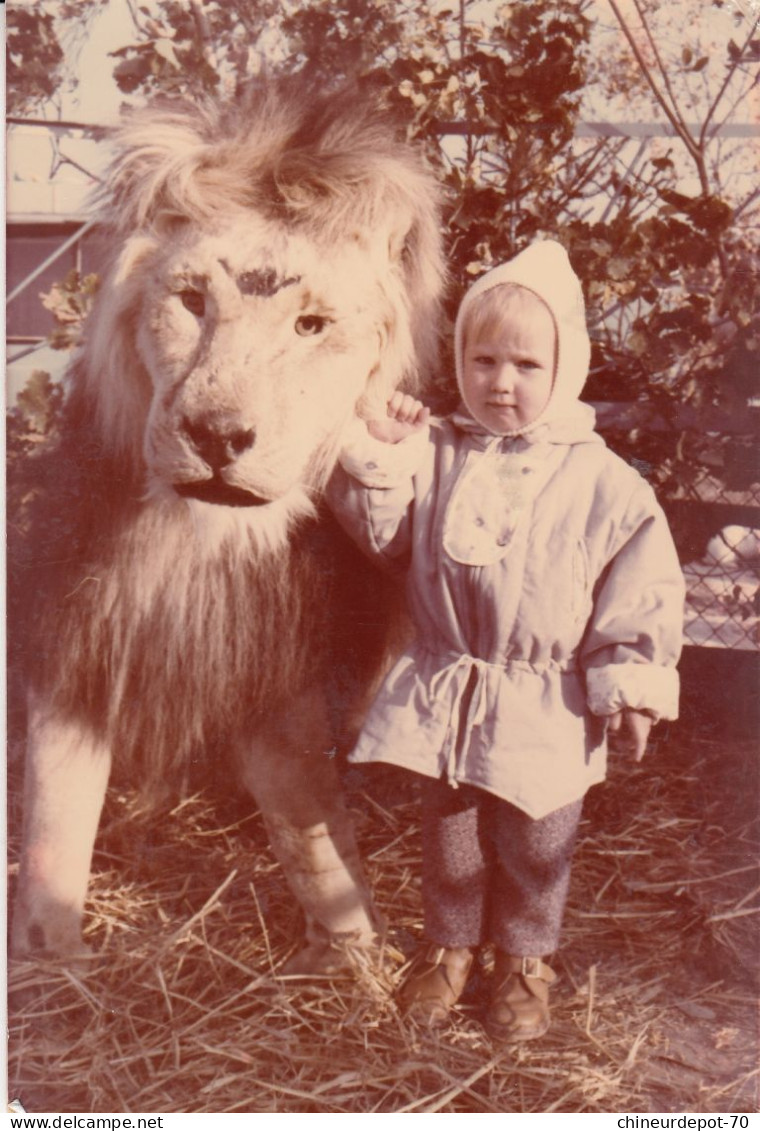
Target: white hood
[{"x": 544, "y": 269}]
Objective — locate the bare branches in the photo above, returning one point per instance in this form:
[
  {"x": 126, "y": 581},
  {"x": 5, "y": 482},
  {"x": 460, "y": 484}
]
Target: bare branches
[
  {"x": 665, "y": 98},
  {"x": 726, "y": 81},
  {"x": 662, "y": 102}
]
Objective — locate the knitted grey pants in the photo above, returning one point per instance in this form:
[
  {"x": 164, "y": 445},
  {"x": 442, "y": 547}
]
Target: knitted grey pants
[{"x": 492, "y": 874}]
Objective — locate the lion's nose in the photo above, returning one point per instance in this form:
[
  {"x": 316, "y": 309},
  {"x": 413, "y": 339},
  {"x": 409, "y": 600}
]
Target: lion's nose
[{"x": 217, "y": 443}]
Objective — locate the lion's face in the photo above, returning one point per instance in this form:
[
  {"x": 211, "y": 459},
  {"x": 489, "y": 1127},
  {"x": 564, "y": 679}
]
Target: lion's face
[{"x": 258, "y": 344}]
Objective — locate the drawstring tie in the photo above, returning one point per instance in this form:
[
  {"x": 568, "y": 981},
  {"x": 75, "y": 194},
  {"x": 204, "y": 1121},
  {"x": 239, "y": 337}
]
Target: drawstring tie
[
  {"x": 461, "y": 668},
  {"x": 476, "y": 710}
]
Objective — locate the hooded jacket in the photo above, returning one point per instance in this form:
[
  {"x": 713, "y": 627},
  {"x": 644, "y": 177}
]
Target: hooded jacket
[{"x": 541, "y": 577}]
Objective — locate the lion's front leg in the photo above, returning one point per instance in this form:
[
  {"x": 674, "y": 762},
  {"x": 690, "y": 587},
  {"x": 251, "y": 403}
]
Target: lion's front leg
[
  {"x": 296, "y": 785},
  {"x": 66, "y": 777}
]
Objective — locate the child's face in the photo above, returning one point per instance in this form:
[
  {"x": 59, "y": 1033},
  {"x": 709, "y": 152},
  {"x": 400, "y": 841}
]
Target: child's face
[{"x": 507, "y": 375}]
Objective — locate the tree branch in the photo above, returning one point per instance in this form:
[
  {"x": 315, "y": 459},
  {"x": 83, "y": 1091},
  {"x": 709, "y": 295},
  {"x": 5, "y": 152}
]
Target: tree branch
[
  {"x": 724, "y": 85},
  {"x": 462, "y": 56},
  {"x": 660, "y": 64},
  {"x": 133, "y": 14},
  {"x": 680, "y": 129},
  {"x": 746, "y": 203},
  {"x": 202, "y": 31}
]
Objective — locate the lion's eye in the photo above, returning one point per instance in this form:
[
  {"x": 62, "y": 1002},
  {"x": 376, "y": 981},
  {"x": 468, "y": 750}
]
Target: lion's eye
[
  {"x": 310, "y": 324},
  {"x": 193, "y": 301}
]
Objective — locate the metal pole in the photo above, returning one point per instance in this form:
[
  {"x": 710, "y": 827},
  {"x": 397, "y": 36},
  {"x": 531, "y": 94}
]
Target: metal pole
[
  {"x": 50, "y": 259},
  {"x": 27, "y": 350}
]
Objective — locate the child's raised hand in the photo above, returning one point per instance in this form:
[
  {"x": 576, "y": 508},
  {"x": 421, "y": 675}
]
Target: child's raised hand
[
  {"x": 631, "y": 730},
  {"x": 406, "y": 415}
]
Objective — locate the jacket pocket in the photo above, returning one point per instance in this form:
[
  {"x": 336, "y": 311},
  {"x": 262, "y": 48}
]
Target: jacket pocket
[{"x": 580, "y": 593}]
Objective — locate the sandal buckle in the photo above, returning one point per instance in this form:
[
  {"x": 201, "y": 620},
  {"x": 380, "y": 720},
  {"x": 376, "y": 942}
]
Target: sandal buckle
[{"x": 531, "y": 968}]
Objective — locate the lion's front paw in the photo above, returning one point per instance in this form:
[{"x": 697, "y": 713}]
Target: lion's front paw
[{"x": 31, "y": 938}]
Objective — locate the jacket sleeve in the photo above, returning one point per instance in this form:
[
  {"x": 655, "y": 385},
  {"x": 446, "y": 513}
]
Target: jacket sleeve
[
  {"x": 633, "y": 640},
  {"x": 371, "y": 491}
]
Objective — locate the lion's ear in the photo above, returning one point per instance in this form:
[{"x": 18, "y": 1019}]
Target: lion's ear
[
  {"x": 414, "y": 246},
  {"x": 398, "y": 235},
  {"x": 168, "y": 223},
  {"x": 124, "y": 266}
]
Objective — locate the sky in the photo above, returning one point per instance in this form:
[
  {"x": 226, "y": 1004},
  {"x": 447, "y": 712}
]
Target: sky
[{"x": 96, "y": 100}]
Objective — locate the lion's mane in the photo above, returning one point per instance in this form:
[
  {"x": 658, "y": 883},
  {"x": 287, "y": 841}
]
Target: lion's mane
[
  {"x": 323, "y": 167},
  {"x": 163, "y": 634}
]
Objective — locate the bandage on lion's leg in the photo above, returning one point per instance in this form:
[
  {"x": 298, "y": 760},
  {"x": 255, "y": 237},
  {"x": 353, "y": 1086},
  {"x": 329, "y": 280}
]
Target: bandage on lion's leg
[
  {"x": 296, "y": 784},
  {"x": 67, "y": 772},
  {"x": 324, "y": 871}
]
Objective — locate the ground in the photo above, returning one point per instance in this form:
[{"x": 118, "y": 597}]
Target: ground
[{"x": 654, "y": 1011}]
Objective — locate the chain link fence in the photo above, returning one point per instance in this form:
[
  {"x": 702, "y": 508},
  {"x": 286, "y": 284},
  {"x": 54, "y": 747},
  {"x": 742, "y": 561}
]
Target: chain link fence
[
  {"x": 714, "y": 512},
  {"x": 723, "y": 585}
]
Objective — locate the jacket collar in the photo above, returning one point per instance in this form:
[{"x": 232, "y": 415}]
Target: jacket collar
[{"x": 576, "y": 426}]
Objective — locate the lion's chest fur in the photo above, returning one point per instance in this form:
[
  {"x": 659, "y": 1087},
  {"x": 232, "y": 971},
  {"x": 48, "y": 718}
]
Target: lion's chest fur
[{"x": 170, "y": 645}]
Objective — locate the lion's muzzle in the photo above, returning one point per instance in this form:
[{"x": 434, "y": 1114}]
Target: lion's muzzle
[{"x": 219, "y": 444}]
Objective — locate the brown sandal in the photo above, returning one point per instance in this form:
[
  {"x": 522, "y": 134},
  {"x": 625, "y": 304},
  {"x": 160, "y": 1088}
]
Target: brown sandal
[
  {"x": 434, "y": 983},
  {"x": 519, "y": 1009}
]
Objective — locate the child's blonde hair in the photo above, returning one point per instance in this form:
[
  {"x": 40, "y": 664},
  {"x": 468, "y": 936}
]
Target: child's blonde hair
[{"x": 506, "y": 303}]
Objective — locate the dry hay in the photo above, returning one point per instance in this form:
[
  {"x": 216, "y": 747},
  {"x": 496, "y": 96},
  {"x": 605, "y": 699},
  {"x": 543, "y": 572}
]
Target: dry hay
[{"x": 183, "y": 1012}]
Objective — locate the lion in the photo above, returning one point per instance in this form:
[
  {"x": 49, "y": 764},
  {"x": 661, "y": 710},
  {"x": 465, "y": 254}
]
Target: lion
[{"x": 275, "y": 270}]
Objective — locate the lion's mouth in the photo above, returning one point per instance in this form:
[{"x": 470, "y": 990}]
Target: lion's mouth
[{"x": 219, "y": 493}]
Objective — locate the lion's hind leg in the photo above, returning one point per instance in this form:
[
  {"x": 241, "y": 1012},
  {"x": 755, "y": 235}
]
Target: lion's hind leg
[
  {"x": 67, "y": 772},
  {"x": 324, "y": 871},
  {"x": 295, "y": 782}
]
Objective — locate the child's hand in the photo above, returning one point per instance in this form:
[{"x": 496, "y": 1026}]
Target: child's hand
[
  {"x": 631, "y": 730},
  {"x": 406, "y": 415}
]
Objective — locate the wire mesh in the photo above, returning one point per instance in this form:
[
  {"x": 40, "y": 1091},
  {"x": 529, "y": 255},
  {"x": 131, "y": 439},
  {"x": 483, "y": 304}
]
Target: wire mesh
[{"x": 723, "y": 587}]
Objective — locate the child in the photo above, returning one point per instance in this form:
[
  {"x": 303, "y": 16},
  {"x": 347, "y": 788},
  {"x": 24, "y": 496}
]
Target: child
[{"x": 547, "y": 597}]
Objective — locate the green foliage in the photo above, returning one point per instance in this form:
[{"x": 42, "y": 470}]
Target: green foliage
[
  {"x": 42, "y": 40},
  {"x": 493, "y": 91},
  {"x": 33, "y": 420},
  {"x": 37, "y": 407},
  {"x": 173, "y": 57},
  {"x": 496, "y": 107},
  {"x": 70, "y": 301},
  {"x": 336, "y": 43},
  {"x": 33, "y": 58},
  {"x": 193, "y": 49}
]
